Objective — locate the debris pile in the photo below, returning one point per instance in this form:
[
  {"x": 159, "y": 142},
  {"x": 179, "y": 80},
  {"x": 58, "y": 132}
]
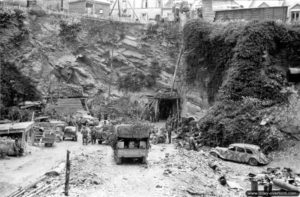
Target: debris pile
[
  {"x": 282, "y": 178},
  {"x": 198, "y": 173},
  {"x": 81, "y": 179}
]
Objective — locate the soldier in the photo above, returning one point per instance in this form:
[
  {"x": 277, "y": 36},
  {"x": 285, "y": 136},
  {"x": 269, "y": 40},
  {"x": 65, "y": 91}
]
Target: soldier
[
  {"x": 84, "y": 135},
  {"x": 193, "y": 143},
  {"x": 93, "y": 135},
  {"x": 169, "y": 134},
  {"x": 17, "y": 147}
]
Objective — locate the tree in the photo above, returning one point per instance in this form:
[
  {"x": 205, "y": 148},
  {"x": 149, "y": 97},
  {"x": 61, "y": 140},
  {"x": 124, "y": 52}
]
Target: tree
[{"x": 15, "y": 87}]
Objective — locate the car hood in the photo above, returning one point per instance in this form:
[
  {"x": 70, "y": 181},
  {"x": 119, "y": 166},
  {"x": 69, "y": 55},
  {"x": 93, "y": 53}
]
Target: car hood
[{"x": 220, "y": 149}]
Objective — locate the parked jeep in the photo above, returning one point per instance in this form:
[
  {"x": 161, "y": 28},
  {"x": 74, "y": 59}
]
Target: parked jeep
[
  {"x": 244, "y": 153},
  {"x": 70, "y": 133}
]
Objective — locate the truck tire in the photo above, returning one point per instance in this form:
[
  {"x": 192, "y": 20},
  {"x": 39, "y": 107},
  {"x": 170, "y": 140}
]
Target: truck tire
[
  {"x": 144, "y": 160},
  {"x": 75, "y": 139},
  {"x": 118, "y": 160},
  {"x": 99, "y": 141},
  {"x": 63, "y": 138}
]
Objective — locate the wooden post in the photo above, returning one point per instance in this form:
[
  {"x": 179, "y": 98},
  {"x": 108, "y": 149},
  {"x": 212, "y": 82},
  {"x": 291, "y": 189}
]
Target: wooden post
[
  {"x": 68, "y": 164},
  {"x": 113, "y": 8},
  {"x": 254, "y": 185},
  {"x": 177, "y": 63}
]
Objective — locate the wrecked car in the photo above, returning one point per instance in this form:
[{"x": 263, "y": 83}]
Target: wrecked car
[{"x": 244, "y": 153}]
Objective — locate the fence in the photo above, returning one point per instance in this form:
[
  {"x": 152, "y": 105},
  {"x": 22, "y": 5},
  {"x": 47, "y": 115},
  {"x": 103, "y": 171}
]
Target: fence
[{"x": 12, "y": 5}]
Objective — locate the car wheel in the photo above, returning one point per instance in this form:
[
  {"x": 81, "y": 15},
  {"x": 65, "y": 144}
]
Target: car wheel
[
  {"x": 252, "y": 162},
  {"x": 215, "y": 154}
]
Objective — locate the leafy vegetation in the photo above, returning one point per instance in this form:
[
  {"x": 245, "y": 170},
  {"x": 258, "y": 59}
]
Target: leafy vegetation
[
  {"x": 69, "y": 30},
  {"x": 242, "y": 67}
]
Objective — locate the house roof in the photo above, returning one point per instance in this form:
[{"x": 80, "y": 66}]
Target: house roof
[
  {"x": 244, "y": 3},
  {"x": 290, "y": 3},
  {"x": 18, "y": 127},
  {"x": 263, "y": 5},
  {"x": 296, "y": 7},
  {"x": 266, "y": 3},
  {"x": 224, "y": 4},
  {"x": 92, "y": 1}
]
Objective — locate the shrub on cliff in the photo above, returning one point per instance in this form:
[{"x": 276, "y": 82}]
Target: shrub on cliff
[
  {"x": 15, "y": 87},
  {"x": 234, "y": 61},
  {"x": 69, "y": 30}
]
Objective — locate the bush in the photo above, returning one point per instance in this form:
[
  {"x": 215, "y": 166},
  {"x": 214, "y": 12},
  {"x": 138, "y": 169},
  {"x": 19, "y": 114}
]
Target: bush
[
  {"x": 37, "y": 12},
  {"x": 238, "y": 65},
  {"x": 15, "y": 87},
  {"x": 69, "y": 31}
]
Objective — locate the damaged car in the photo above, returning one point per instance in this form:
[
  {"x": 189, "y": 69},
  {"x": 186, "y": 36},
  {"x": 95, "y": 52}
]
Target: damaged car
[{"x": 243, "y": 153}]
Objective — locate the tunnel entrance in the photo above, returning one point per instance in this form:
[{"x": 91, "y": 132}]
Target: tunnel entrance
[
  {"x": 293, "y": 75},
  {"x": 166, "y": 108},
  {"x": 163, "y": 104}
]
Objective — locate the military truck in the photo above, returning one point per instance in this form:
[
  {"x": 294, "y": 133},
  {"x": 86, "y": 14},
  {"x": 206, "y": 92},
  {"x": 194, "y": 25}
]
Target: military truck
[{"x": 131, "y": 141}]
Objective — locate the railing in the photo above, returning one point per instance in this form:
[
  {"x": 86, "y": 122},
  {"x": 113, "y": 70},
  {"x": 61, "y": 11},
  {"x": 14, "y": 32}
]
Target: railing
[{"x": 10, "y": 6}]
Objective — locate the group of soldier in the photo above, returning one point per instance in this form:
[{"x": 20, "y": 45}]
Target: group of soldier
[{"x": 87, "y": 131}]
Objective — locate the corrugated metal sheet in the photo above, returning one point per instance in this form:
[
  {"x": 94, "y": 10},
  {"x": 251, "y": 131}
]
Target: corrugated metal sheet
[
  {"x": 270, "y": 13},
  {"x": 18, "y": 127}
]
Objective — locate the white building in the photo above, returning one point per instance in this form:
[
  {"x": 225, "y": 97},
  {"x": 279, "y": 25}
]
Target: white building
[{"x": 143, "y": 9}]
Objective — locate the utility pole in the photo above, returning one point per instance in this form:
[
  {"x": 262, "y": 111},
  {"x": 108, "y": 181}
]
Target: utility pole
[
  {"x": 62, "y": 5},
  {"x": 176, "y": 68},
  {"x": 110, "y": 75}
]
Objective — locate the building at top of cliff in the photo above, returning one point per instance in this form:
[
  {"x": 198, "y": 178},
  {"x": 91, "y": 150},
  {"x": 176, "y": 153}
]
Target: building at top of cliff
[
  {"x": 285, "y": 10},
  {"x": 92, "y": 7}
]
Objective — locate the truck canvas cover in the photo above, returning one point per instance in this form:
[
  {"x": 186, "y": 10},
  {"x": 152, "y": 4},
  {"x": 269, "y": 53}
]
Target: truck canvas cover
[{"x": 132, "y": 131}]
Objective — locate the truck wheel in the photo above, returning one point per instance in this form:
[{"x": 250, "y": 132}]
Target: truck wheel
[
  {"x": 118, "y": 160},
  {"x": 144, "y": 160},
  {"x": 99, "y": 141},
  {"x": 252, "y": 162},
  {"x": 75, "y": 139},
  {"x": 63, "y": 138}
]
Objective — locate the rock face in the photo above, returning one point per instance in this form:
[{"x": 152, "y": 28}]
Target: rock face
[{"x": 82, "y": 66}]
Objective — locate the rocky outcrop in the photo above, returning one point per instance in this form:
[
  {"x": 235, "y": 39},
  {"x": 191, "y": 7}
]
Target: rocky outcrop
[{"x": 83, "y": 65}]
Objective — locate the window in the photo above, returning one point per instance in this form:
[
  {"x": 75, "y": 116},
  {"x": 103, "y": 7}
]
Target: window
[
  {"x": 100, "y": 11},
  {"x": 232, "y": 148},
  {"x": 145, "y": 4},
  {"x": 239, "y": 149},
  {"x": 249, "y": 151}
]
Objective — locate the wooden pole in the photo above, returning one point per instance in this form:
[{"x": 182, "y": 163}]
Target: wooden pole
[
  {"x": 177, "y": 63},
  {"x": 113, "y": 7},
  {"x": 119, "y": 8},
  {"x": 110, "y": 75},
  {"x": 133, "y": 10},
  {"x": 68, "y": 164}
]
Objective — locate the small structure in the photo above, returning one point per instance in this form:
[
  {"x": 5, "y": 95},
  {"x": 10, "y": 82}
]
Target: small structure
[
  {"x": 95, "y": 7},
  {"x": 164, "y": 103},
  {"x": 21, "y": 130},
  {"x": 68, "y": 106},
  {"x": 293, "y": 75}
]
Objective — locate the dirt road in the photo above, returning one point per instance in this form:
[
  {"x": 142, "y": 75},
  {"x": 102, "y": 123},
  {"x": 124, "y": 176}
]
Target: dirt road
[{"x": 17, "y": 172}]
